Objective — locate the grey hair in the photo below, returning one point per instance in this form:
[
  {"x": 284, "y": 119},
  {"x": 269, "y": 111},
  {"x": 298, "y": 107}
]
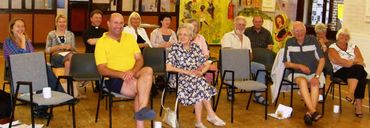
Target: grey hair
[
  {"x": 188, "y": 26},
  {"x": 344, "y": 31},
  {"x": 320, "y": 27}
]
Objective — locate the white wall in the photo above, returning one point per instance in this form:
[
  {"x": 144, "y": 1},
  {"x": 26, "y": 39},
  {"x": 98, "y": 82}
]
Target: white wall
[{"x": 354, "y": 19}]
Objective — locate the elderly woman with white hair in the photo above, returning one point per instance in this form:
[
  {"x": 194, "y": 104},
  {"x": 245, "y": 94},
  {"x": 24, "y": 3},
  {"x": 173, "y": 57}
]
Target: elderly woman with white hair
[
  {"x": 134, "y": 22},
  {"x": 348, "y": 64},
  {"x": 187, "y": 59}
]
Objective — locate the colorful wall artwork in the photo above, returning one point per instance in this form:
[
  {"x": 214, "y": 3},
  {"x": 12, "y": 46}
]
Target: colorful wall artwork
[{"x": 212, "y": 16}]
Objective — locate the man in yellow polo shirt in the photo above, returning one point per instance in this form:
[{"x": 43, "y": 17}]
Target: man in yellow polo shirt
[{"x": 117, "y": 55}]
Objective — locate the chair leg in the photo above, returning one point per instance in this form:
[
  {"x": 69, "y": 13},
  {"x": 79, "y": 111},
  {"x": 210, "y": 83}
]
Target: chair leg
[
  {"x": 249, "y": 100},
  {"x": 51, "y": 113},
  {"x": 73, "y": 115},
  {"x": 267, "y": 99},
  {"x": 32, "y": 117},
  {"x": 340, "y": 99},
  {"x": 232, "y": 104},
  {"x": 110, "y": 111},
  {"x": 291, "y": 95},
  {"x": 323, "y": 101},
  {"x": 368, "y": 88},
  {"x": 151, "y": 106},
  {"x": 164, "y": 99},
  {"x": 277, "y": 98},
  {"x": 98, "y": 106},
  {"x": 328, "y": 90},
  {"x": 333, "y": 92},
  {"x": 218, "y": 98}
]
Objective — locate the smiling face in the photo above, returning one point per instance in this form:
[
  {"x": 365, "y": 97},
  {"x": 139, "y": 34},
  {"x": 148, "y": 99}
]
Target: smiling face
[
  {"x": 96, "y": 19},
  {"x": 135, "y": 21},
  {"x": 299, "y": 31},
  {"x": 61, "y": 23},
  {"x": 257, "y": 22},
  {"x": 239, "y": 26},
  {"x": 115, "y": 24},
  {"x": 166, "y": 22},
  {"x": 343, "y": 38},
  {"x": 184, "y": 35},
  {"x": 18, "y": 28}
]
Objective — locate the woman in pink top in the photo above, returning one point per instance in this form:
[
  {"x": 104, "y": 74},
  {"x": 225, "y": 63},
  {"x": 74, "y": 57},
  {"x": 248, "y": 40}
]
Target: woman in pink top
[{"x": 201, "y": 42}]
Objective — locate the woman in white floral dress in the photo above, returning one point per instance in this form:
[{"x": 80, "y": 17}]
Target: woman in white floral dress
[{"x": 187, "y": 59}]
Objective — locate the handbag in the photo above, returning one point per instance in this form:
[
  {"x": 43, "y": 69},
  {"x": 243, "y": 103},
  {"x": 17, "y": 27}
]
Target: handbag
[{"x": 169, "y": 116}]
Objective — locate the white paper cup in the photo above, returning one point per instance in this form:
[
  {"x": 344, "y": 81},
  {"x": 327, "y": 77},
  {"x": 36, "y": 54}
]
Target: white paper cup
[
  {"x": 336, "y": 109},
  {"x": 157, "y": 124},
  {"x": 46, "y": 92}
]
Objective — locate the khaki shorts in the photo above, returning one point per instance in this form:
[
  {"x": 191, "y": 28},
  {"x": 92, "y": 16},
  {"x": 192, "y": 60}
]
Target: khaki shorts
[{"x": 309, "y": 77}]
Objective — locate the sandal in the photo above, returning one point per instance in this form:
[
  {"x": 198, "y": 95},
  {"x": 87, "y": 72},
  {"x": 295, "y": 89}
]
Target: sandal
[
  {"x": 315, "y": 116},
  {"x": 260, "y": 99},
  {"x": 307, "y": 119},
  {"x": 350, "y": 100},
  {"x": 359, "y": 115}
]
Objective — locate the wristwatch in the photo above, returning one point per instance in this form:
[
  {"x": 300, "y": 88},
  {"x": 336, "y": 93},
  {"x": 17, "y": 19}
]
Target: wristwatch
[{"x": 317, "y": 76}]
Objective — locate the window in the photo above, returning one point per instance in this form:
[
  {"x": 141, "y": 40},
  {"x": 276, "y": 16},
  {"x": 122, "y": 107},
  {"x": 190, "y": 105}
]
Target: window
[
  {"x": 168, "y": 5},
  {"x": 16, "y": 4},
  {"x": 149, "y": 5},
  {"x": 4, "y": 4}
]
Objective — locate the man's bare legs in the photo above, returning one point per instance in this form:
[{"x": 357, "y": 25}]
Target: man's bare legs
[
  {"x": 140, "y": 90},
  {"x": 309, "y": 99}
]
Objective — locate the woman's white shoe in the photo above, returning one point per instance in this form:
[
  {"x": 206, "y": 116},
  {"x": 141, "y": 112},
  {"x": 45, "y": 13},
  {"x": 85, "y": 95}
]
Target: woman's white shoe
[{"x": 216, "y": 121}]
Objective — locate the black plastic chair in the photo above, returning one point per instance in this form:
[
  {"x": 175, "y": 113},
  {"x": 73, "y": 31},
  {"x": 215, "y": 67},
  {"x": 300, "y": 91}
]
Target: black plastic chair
[
  {"x": 339, "y": 82},
  {"x": 156, "y": 59},
  {"x": 104, "y": 91},
  {"x": 293, "y": 85},
  {"x": 83, "y": 68}
]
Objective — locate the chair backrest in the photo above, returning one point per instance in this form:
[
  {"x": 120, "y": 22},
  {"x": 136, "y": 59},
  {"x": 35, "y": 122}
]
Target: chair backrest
[
  {"x": 264, "y": 56},
  {"x": 29, "y": 67},
  {"x": 83, "y": 65},
  {"x": 155, "y": 58},
  {"x": 237, "y": 60}
]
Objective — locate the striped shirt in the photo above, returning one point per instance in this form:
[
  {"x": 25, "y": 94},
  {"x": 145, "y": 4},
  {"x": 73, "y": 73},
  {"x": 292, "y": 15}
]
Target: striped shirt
[{"x": 307, "y": 54}]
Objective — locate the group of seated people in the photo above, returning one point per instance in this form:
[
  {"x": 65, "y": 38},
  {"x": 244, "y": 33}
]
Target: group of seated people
[{"x": 188, "y": 55}]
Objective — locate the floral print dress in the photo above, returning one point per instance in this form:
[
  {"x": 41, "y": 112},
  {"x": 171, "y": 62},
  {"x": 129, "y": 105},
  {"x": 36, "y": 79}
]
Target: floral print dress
[{"x": 192, "y": 89}]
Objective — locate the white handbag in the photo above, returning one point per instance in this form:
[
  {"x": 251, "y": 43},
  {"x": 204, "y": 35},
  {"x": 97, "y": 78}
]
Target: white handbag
[{"x": 169, "y": 116}]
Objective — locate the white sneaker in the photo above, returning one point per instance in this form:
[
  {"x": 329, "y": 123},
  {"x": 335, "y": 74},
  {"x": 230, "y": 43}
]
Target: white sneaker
[
  {"x": 200, "y": 125},
  {"x": 216, "y": 121}
]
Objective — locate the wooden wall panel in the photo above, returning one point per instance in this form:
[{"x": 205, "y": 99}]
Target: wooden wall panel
[
  {"x": 44, "y": 23},
  {"x": 4, "y": 26},
  {"x": 28, "y": 19}
]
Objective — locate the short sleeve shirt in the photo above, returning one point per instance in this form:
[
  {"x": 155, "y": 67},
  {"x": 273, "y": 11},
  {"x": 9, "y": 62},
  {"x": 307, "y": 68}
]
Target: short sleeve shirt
[
  {"x": 118, "y": 55},
  {"x": 307, "y": 54},
  {"x": 259, "y": 39}
]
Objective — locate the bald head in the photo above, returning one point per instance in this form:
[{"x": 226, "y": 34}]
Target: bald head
[
  {"x": 115, "y": 24},
  {"x": 115, "y": 16}
]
